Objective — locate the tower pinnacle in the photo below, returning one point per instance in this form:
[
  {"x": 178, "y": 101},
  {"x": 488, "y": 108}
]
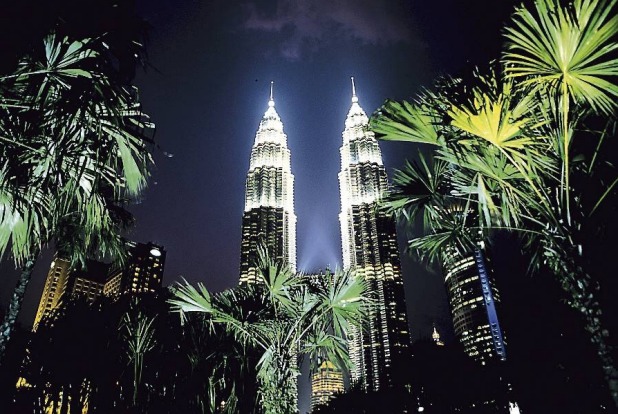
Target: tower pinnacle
[
  {"x": 354, "y": 98},
  {"x": 271, "y": 101},
  {"x": 436, "y": 336},
  {"x": 269, "y": 198}
]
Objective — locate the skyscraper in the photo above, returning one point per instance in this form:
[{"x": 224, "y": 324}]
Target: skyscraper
[
  {"x": 54, "y": 289},
  {"x": 64, "y": 282},
  {"x": 369, "y": 244},
  {"x": 473, "y": 298},
  {"x": 268, "y": 219},
  {"x": 325, "y": 382},
  {"x": 142, "y": 273}
]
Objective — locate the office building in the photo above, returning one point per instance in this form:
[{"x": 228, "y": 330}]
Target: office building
[
  {"x": 325, "y": 382},
  {"x": 64, "y": 282},
  {"x": 142, "y": 272},
  {"x": 268, "y": 220},
  {"x": 369, "y": 245},
  {"x": 474, "y": 299},
  {"x": 54, "y": 290}
]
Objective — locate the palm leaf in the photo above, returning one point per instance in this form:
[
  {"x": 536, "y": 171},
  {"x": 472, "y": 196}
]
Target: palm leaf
[
  {"x": 403, "y": 121},
  {"x": 552, "y": 45}
]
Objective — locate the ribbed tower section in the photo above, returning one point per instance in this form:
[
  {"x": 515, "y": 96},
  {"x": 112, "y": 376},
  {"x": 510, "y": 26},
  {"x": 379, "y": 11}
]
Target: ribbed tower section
[
  {"x": 369, "y": 245},
  {"x": 474, "y": 301},
  {"x": 268, "y": 219}
]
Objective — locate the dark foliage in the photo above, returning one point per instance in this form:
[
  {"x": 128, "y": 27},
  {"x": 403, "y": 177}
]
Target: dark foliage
[
  {"x": 125, "y": 32},
  {"x": 80, "y": 352}
]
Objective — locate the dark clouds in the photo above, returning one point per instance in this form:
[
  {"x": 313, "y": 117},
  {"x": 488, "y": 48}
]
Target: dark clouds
[{"x": 302, "y": 26}]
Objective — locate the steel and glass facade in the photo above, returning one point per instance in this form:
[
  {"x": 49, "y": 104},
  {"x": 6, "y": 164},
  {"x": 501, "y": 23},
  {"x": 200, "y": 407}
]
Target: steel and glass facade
[
  {"x": 268, "y": 219},
  {"x": 370, "y": 249},
  {"x": 473, "y": 299},
  {"x": 325, "y": 382}
]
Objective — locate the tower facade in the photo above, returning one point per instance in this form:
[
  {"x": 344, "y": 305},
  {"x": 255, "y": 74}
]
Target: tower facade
[
  {"x": 54, "y": 290},
  {"x": 65, "y": 282},
  {"x": 325, "y": 382},
  {"x": 142, "y": 273},
  {"x": 473, "y": 298},
  {"x": 369, "y": 246},
  {"x": 268, "y": 219}
]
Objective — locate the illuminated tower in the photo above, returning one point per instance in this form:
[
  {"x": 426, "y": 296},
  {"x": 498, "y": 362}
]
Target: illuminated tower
[
  {"x": 369, "y": 244},
  {"x": 142, "y": 273},
  {"x": 64, "y": 282},
  {"x": 268, "y": 219},
  {"x": 325, "y": 382},
  {"x": 54, "y": 290},
  {"x": 473, "y": 298},
  {"x": 435, "y": 336}
]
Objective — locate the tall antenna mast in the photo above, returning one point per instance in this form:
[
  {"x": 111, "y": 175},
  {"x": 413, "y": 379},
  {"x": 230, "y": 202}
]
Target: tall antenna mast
[{"x": 354, "y": 98}]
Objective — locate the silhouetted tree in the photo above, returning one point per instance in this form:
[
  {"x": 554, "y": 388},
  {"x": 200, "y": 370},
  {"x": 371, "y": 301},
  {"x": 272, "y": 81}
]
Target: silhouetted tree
[{"x": 505, "y": 145}]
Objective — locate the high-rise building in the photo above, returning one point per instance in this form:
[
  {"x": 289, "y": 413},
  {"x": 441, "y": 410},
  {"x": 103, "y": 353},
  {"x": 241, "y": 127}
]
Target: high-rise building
[
  {"x": 142, "y": 273},
  {"x": 325, "y": 382},
  {"x": 473, "y": 298},
  {"x": 268, "y": 220},
  {"x": 369, "y": 244},
  {"x": 89, "y": 281},
  {"x": 64, "y": 282},
  {"x": 54, "y": 289}
]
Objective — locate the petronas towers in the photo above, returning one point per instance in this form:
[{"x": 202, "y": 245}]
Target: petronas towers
[
  {"x": 369, "y": 246},
  {"x": 268, "y": 219},
  {"x": 368, "y": 237}
]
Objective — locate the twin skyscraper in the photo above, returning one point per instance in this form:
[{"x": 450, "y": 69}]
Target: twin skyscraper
[{"x": 368, "y": 236}]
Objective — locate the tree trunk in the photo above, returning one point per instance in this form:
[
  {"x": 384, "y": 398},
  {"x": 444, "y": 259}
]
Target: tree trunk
[
  {"x": 582, "y": 293},
  {"x": 583, "y": 299},
  {"x": 137, "y": 370},
  {"x": 8, "y": 325},
  {"x": 278, "y": 386}
]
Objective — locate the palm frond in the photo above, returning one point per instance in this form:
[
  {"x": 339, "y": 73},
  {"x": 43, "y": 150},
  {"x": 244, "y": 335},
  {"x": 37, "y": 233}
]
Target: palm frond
[
  {"x": 403, "y": 121},
  {"x": 553, "y": 44},
  {"x": 420, "y": 189}
]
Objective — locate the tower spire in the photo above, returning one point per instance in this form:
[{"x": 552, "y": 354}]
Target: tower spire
[
  {"x": 271, "y": 101},
  {"x": 436, "y": 336},
  {"x": 269, "y": 198},
  {"x": 354, "y": 98}
]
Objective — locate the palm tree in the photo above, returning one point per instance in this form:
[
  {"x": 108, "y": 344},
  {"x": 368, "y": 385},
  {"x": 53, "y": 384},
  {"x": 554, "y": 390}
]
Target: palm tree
[
  {"x": 502, "y": 147},
  {"x": 74, "y": 144},
  {"x": 139, "y": 336},
  {"x": 568, "y": 54},
  {"x": 285, "y": 317},
  {"x": 220, "y": 376}
]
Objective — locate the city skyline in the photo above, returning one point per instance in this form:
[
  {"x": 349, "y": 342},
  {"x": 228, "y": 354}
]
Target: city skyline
[
  {"x": 208, "y": 129},
  {"x": 217, "y": 103}
]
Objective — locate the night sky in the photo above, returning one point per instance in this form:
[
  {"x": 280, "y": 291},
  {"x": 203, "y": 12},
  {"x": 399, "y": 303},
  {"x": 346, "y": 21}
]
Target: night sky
[{"x": 207, "y": 88}]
